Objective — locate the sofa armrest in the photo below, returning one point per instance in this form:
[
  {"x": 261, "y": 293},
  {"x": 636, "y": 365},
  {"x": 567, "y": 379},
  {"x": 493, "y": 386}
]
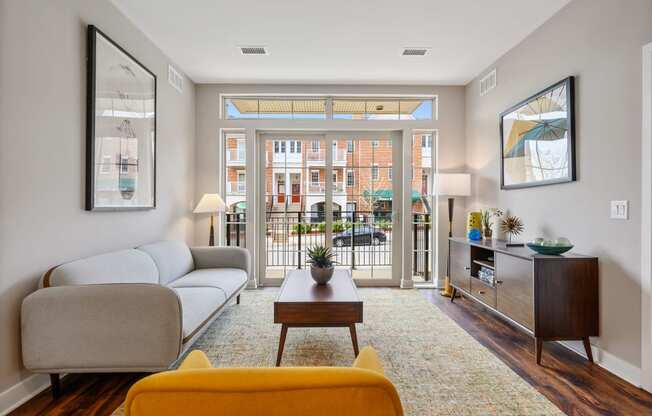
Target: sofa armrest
[
  {"x": 368, "y": 359},
  {"x": 101, "y": 328},
  {"x": 218, "y": 257}
]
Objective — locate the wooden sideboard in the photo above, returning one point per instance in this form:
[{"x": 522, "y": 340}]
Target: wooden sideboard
[{"x": 550, "y": 297}]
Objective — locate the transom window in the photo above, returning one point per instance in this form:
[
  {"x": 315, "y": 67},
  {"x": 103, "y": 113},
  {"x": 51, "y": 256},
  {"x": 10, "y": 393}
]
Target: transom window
[{"x": 322, "y": 108}]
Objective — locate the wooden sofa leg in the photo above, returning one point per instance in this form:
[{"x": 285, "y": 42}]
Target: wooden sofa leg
[
  {"x": 55, "y": 381},
  {"x": 237, "y": 300}
]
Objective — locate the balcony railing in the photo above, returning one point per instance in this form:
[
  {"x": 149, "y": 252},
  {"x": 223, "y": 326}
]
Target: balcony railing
[
  {"x": 236, "y": 156},
  {"x": 236, "y": 187},
  {"x": 339, "y": 155},
  {"x": 320, "y": 187}
]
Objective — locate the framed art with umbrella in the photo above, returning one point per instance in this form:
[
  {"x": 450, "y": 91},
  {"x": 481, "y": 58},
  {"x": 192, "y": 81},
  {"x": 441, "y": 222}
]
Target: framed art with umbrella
[{"x": 537, "y": 138}]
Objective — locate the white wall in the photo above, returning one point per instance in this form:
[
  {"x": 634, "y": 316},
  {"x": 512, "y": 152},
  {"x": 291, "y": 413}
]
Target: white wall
[
  {"x": 42, "y": 136},
  {"x": 599, "y": 42},
  {"x": 450, "y": 125}
]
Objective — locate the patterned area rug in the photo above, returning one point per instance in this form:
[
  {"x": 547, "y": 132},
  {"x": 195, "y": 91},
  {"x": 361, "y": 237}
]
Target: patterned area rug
[{"x": 436, "y": 366}]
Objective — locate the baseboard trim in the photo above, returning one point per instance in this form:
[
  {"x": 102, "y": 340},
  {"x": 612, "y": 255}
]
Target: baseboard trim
[
  {"x": 19, "y": 393},
  {"x": 609, "y": 362}
]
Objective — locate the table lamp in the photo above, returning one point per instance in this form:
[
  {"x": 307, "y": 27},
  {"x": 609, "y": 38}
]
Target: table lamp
[
  {"x": 452, "y": 185},
  {"x": 210, "y": 204}
]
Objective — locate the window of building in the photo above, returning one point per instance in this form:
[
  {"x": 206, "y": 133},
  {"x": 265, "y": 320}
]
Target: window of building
[
  {"x": 276, "y": 147},
  {"x": 315, "y": 145},
  {"x": 389, "y": 173},
  {"x": 314, "y": 176},
  {"x": 292, "y": 146},
  {"x": 124, "y": 164},
  {"x": 298, "y": 146},
  {"x": 106, "y": 164},
  {"x": 350, "y": 177},
  {"x": 282, "y": 147},
  {"x": 350, "y": 146},
  {"x": 274, "y": 108},
  {"x": 374, "y": 173}
]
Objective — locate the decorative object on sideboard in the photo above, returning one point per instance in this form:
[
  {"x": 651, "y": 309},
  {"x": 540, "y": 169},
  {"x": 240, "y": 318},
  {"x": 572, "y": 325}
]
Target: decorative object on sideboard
[
  {"x": 452, "y": 185},
  {"x": 210, "y": 204},
  {"x": 488, "y": 216},
  {"x": 474, "y": 225},
  {"x": 537, "y": 138},
  {"x": 321, "y": 263},
  {"x": 512, "y": 226},
  {"x": 550, "y": 247},
  {"x": 120, "y": 128}
]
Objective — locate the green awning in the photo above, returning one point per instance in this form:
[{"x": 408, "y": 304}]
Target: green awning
[
  {"x": 387, "y": 195},
  {"x": 242, "y": 205}
]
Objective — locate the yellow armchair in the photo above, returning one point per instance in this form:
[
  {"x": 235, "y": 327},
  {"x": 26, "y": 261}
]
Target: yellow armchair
[{"x": 198, "y": 389}]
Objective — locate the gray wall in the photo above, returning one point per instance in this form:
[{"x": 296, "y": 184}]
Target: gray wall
[
  {"x": 450, "y": 125},
  {"x": 599, "y": 42},
  {"x": 42, "y": 131}
]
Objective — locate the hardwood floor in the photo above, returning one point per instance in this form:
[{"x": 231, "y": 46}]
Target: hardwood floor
[{"x": 574, "y": 385}]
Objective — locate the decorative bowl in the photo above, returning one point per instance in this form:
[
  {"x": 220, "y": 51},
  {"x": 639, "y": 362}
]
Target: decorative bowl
[
  {"x": 549, "y": 250},
  {"x": 321, "y": 275}
]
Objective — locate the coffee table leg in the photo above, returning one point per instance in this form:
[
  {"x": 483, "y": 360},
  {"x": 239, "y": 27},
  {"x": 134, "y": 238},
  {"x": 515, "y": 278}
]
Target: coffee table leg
[
  {"x": 354, "y": 339},
  {"x": 281, "y": 344}
]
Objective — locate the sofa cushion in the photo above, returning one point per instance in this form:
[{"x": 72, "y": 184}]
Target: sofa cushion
[
  {"x": 228, "y": 280},
  {"x": 124, "y": 266},
  {"x": 172, "y": 258},
  {"x": 197, "y": 306}
]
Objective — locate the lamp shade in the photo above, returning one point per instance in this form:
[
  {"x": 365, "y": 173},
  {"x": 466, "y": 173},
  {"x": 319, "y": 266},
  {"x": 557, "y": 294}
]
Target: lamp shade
[
  {"x": 454, "y": 184},
  {"x": 210, "y": 203}
]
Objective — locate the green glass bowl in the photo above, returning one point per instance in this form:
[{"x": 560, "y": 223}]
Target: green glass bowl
[{"x": 549, "y": 250}]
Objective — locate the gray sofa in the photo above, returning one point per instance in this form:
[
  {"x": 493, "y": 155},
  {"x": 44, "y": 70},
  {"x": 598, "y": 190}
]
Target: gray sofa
[{"x": 134, "y": 310}]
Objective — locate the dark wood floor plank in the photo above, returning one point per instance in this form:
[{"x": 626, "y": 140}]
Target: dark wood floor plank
[
  {"x": 566, "y": 379},
  {"x": 575, "y": 385}
]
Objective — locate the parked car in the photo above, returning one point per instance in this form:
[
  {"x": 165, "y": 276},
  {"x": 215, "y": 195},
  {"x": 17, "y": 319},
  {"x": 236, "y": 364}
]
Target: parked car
[{"x": 364, "y": 236}]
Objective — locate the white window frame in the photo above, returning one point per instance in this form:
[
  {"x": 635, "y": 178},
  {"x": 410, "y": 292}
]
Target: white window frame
[
  {"x": 375, "y": 173},
  {"x": 350, "y": 172},
  {"x": 124, "y": 164},
  {"x": 312, "y": 178}
]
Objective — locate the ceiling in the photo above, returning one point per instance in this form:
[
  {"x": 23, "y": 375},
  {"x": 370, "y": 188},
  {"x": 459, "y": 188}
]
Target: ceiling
[{"x": 336, "y": 41}]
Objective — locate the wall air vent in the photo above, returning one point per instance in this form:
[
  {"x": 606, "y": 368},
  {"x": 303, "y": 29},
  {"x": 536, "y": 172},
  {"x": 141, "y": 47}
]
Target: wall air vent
[
  {"x": 415, "y": 51},
  {"x": 488, "y": 82},
  {"x": 175, "y": 78},
  {"x": 253, "y": 50}
]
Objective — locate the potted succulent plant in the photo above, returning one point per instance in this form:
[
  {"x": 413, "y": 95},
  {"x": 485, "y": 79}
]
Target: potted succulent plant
[{"x": 321, "y": 263}]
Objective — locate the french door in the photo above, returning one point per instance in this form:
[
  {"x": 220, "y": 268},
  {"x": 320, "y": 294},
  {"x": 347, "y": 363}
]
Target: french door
[{"x": 340, "y": 190}]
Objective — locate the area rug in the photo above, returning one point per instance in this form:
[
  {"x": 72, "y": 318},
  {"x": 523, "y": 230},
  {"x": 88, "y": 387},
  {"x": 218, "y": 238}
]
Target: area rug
[{"x": 437, "y": 367}]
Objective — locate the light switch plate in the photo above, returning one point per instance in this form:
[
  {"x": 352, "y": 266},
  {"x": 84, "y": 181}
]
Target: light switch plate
[{"x": 620, "y": 210}]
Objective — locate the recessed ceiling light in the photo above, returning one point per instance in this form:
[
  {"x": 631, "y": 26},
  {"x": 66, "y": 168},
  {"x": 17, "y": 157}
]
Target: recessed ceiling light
[
  {"x": 253, "y": 50},
  {"x": 414, "y": 51}
]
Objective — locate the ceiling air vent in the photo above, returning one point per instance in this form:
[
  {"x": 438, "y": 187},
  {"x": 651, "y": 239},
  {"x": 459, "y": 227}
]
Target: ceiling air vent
[
  {"x": 415, "y": 51},
  {"x": 253, "y": 50},
  {"x": 175, "y": 78},
  {"x": 488, "y": 82}
]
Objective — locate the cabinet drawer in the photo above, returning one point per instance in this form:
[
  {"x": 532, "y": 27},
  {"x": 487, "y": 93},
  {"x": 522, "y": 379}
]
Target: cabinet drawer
[
  {"x": 460, "y": 258},
  {"x": 483, "y": 292}
]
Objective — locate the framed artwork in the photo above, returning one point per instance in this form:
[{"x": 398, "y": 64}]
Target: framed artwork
[
  {"x": 120, "y": 128},
  {"x": 537, "y": 139}
]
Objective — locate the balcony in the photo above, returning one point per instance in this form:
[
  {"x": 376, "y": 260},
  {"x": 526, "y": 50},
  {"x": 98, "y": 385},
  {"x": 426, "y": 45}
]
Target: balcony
[
  {"x": 318, "y": 157},
  {"x": 236, "y": 157},
  {"x": 236, "y": 187},
  {"x": 319, "y": 188}
]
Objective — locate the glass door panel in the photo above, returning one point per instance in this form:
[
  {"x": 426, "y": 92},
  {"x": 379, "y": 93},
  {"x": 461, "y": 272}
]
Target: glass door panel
[{"x": 362, "y": 236}]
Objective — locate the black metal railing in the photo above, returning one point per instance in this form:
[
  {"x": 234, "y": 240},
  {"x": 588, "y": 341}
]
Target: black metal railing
[{"x": 359, "y": 238}]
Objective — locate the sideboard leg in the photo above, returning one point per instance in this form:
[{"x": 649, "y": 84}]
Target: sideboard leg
[
  {"x": 453, "y": 295},
  {"x": 55, "y": 381},
  {"x": 237, "y": 300},
  {"x": 587, "y": 348},
  {"x": 538, "y": 348}
]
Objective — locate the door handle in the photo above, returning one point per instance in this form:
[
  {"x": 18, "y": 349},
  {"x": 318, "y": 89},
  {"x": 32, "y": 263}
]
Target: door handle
[
  {"x": 499, "y": 281},
  {"x": 467, "y": 268},
  {"x": 481, "y": 292}
]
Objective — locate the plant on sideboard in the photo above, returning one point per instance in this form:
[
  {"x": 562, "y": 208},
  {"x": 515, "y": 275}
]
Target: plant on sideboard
[
  {"x": 487, "y": 220},
  {"x": 321, "y": 263}
]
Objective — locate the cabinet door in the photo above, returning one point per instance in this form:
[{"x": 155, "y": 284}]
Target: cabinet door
[
  {"x": 460, "y": 258},
  {"x": 515, "y": 289}
]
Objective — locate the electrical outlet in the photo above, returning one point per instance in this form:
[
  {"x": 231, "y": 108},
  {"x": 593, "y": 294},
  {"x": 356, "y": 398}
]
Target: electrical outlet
[{"x": 620, "y": 210}]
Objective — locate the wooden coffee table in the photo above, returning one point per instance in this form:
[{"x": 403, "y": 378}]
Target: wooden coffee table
[{"x": 303, "y": 303}]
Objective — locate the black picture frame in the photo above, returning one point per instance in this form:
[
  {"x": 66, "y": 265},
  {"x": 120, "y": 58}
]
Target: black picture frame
[
  {"x": 93, "y": 33},
  {"x": 571, "y": 176}
]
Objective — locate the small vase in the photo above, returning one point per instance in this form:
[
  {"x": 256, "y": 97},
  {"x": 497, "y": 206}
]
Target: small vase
[
  {"x": 321, "y": 275},
  {"x": 487, "y": 233}
]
